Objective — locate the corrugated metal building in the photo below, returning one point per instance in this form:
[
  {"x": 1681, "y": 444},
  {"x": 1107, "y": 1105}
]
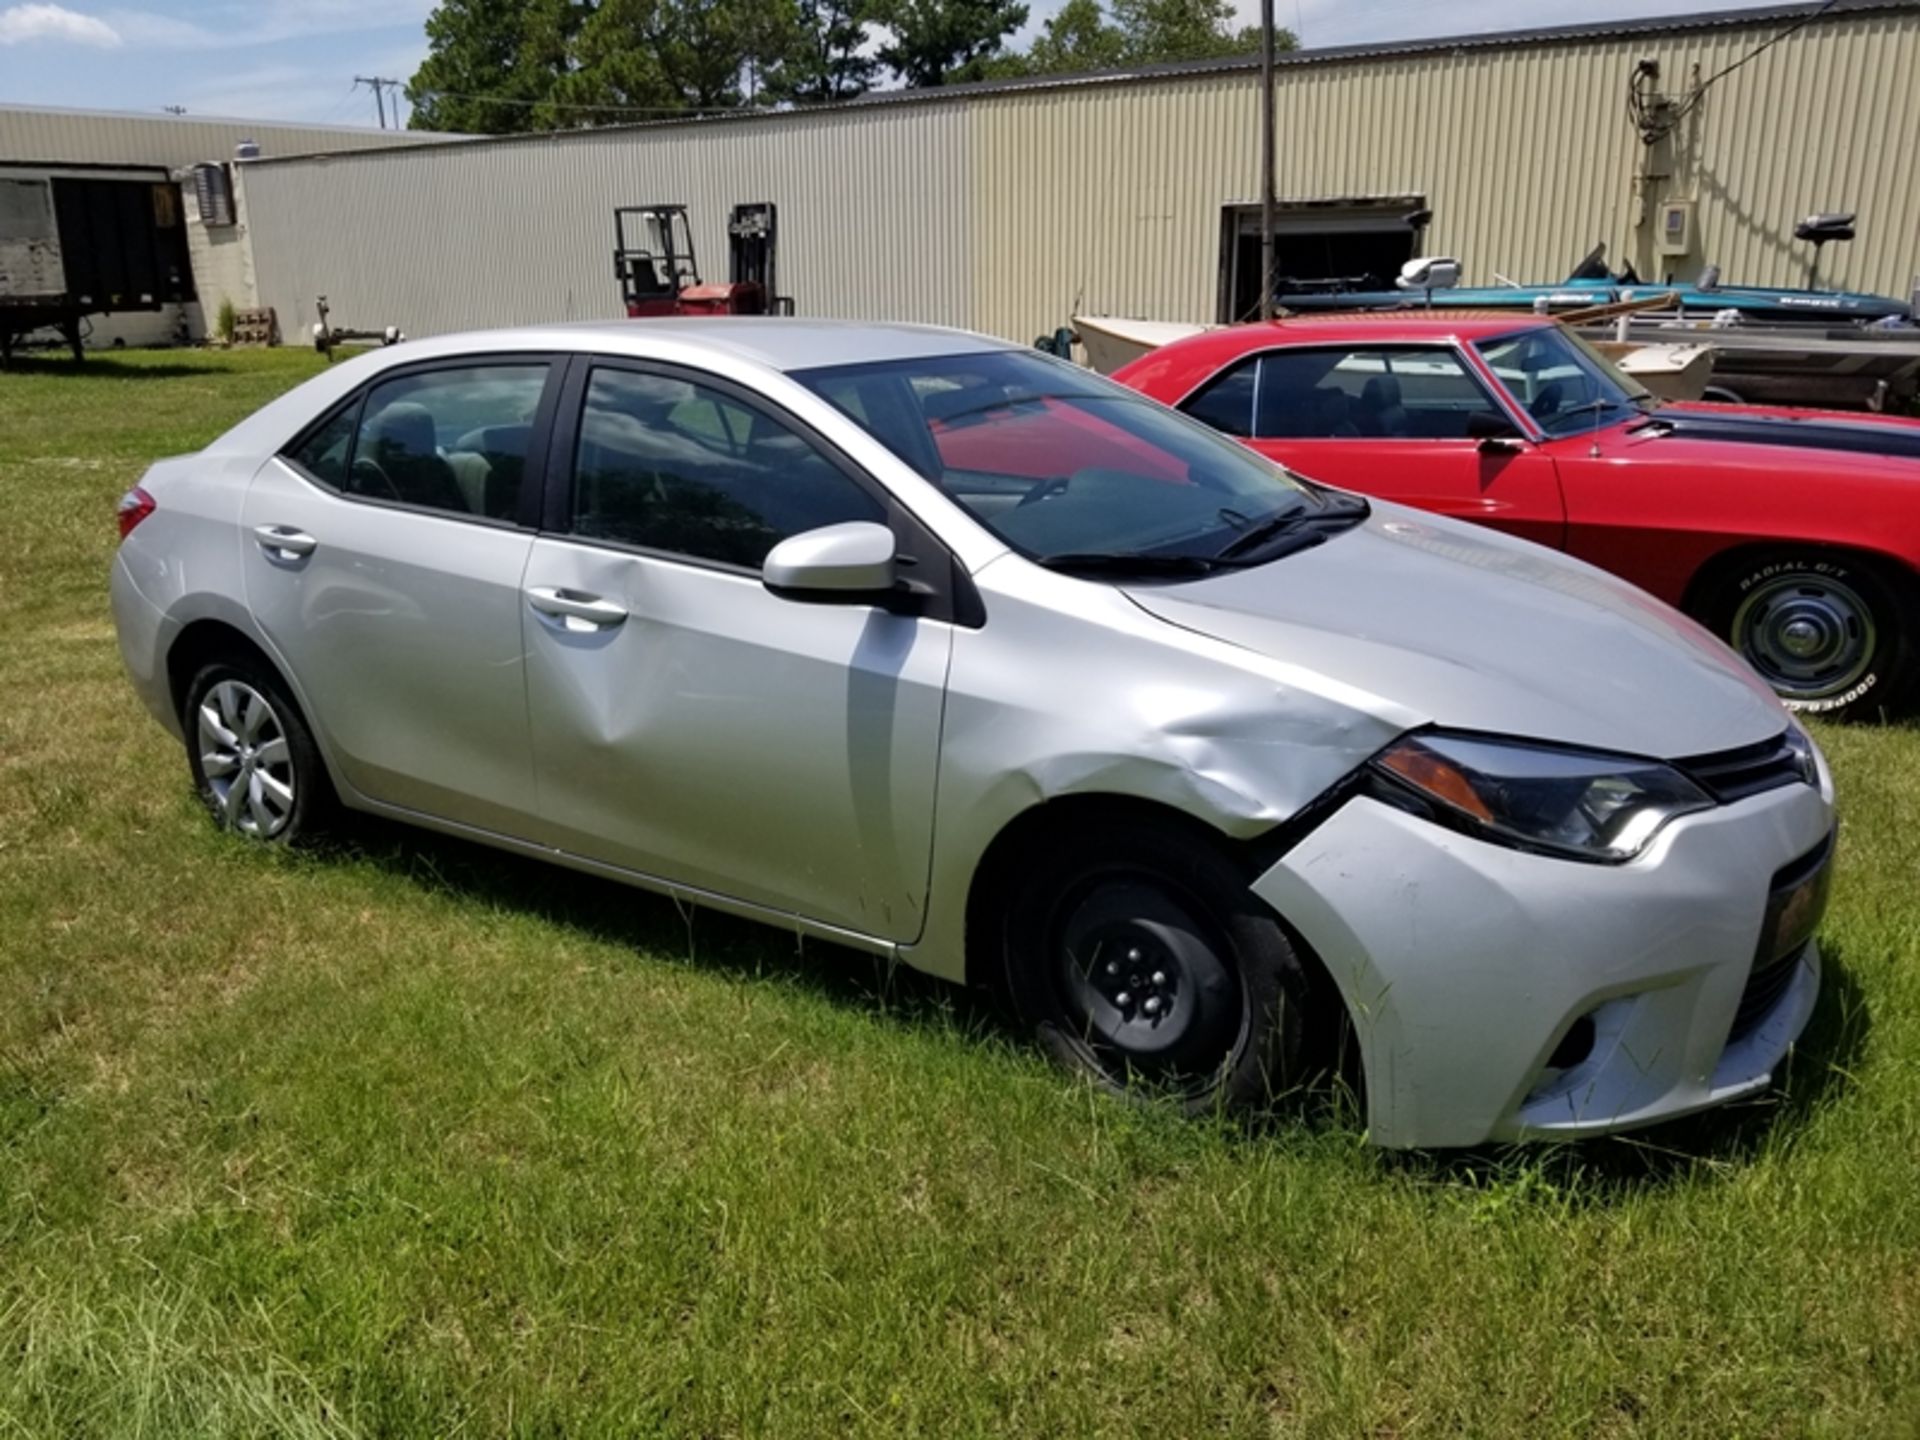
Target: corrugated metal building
[
  {"x": 1007, "y": 207},
  {"x": 35, "y": 134},
  {"x": 221, "y": 255}
]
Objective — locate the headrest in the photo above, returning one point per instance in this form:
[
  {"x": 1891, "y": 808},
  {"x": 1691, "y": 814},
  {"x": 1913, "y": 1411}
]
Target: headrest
[
  {"x": 1381, "y": 392},
  {"x": 404, "y": 426}
]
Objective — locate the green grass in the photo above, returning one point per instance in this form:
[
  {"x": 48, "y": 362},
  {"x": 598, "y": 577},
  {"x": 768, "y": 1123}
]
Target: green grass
[{"x": 402, "y": 1137}]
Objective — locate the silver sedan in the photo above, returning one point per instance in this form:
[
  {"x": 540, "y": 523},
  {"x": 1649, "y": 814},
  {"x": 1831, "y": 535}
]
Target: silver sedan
[{"x": 949, "y": 651}]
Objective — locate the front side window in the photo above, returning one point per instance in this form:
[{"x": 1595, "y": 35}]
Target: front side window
[
  {"x": 669, "y": 464},
  {"x": 1561, "y": 381},
  {"x": 1058, "y": 462},
  {"x": 1381, "y": 394},
  {"x": 453, "y": 440}
]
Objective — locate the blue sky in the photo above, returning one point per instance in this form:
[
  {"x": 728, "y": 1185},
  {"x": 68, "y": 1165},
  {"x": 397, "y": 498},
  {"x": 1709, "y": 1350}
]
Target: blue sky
[{"x": 296, "y": 59}]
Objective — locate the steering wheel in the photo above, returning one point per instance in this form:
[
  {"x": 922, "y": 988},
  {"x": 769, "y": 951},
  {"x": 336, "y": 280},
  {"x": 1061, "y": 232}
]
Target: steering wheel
[
  {"x": 364, "y": 470},
  {"x": 1548, "y": 402},
  {"x": 1045, "y": 490}
]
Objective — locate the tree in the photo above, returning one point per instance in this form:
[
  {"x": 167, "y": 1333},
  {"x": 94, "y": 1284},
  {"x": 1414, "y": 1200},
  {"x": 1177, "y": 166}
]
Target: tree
[
  {"x": 1076, "y": 37},
  {"x": 1081, "y": 36},
  {"x": 489, "y": 62},
  {"x": 1186, "y": 30},
  {"x": 665, "y": 54},
  {"x": 822, "y": 56},
  {"x": 943, "y": 42}
]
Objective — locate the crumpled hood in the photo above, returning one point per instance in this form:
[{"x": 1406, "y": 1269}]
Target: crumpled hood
[{"x": 1478, "y": 631}]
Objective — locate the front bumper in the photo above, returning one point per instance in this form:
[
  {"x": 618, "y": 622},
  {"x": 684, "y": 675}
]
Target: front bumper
[{"x": 1464, "y": 965}]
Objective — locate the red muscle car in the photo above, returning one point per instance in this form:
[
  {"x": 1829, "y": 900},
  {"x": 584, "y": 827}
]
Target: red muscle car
[{"x": 1792, "y": 534}]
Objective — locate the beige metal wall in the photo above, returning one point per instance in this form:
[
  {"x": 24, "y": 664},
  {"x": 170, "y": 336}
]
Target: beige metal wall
[
  {"x": 93, "y": 137},
  {"x": 1009, "y": 211},
  {"x": 452, "y": 237},
  {"x": 1108, "y": 196}
]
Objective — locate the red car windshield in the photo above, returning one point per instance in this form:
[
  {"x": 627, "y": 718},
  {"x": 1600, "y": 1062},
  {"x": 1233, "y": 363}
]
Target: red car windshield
[{"x": 1057, "y": 461}]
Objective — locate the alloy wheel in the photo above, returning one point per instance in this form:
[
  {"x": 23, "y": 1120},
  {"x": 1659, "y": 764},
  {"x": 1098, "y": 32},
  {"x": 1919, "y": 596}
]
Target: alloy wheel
[{"x": 245, "y": 760}]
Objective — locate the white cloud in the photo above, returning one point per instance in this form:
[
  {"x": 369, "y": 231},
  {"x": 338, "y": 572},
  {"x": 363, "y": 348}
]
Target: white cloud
[
  {"x": 1341, "y": 22},
  {"x": 19, "y": 23}
]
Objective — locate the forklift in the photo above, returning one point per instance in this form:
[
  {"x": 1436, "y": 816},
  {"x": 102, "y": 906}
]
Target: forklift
[{"x": 654, "y": 262}]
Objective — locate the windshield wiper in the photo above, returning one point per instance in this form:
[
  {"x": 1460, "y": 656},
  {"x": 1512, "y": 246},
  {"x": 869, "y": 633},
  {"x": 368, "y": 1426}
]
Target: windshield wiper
[
  {"x": 1099, "y": 563},
  {"x": 1280, "y": 535}
]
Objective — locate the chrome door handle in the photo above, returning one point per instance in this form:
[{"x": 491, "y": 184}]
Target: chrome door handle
[
  {"x": 283, "y": 542},
  {"x": 571, "y": 605}
]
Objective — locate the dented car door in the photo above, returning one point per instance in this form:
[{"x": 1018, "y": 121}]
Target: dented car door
[{"x": 688, "y": 723}]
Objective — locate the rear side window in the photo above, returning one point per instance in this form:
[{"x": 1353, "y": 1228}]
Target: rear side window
[
  {"x": 668, "y": 464},
  {"x": 1227, "y": 402},
  {"x": 453, "y": 440}
]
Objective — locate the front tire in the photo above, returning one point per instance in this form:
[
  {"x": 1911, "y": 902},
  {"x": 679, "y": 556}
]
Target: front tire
[
  {"x": 1142, "y": 960},
  {"x": 1828, "y": 632},
  {"x": 254, "y": 763}
]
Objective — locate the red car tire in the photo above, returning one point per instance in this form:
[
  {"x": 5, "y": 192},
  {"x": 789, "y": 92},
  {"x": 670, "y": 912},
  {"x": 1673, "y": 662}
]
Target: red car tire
[{"x": 1832, "y": 633}]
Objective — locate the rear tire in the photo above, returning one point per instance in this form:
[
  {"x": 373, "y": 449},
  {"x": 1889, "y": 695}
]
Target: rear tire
[
  {"x": 1141, "y": 959},
  {"x": 254, "y": 762},
  {"x": 1832, "y": 634}
]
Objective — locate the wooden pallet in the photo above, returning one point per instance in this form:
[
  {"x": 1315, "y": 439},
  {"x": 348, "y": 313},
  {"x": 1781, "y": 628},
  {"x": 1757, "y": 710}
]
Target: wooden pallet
[{"x": 256, "y": 327}]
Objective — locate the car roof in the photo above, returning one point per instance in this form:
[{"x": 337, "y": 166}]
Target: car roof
[
  {"x": 778, "y": 343},
  {"x": 1177, "y": 367},
  {"x": 1421, "y": 324}
]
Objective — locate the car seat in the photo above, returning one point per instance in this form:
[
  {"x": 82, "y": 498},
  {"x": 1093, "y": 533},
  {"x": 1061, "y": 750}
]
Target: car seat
[
  {"x": 401, "y": 441},
  {"x": 1380, "y": 411}
]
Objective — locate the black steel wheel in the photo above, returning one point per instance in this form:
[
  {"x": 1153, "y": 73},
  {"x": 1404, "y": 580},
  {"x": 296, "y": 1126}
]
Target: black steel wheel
[
  {"x": 1141, "y": 958},
  {"x": 1827, "y": 632}
]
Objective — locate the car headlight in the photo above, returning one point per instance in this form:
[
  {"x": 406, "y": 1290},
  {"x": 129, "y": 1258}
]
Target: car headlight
[{"x": 1575, "y": 803}]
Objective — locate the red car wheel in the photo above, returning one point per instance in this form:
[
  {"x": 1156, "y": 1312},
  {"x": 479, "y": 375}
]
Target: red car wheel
[{"x": 1824, "y": 631}]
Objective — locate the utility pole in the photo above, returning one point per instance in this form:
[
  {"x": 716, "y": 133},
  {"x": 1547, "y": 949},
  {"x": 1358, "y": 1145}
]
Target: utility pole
[
  {"x": 379, "y": 85},
  {"x": 1266, "y": 159}
]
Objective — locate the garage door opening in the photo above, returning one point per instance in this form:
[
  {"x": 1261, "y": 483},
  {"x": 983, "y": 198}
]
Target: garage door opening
[{"x": 1360, "y": 239}]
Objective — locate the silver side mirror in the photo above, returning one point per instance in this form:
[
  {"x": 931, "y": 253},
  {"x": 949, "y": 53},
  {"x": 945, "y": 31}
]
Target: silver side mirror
[{"x": 851, "y": 561}]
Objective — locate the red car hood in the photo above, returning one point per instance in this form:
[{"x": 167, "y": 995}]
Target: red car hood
[{"x": 1831, "y": 430}]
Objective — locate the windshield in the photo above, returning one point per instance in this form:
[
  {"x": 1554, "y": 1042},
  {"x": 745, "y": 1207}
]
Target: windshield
[
  {"x": 1562, "y": 381},
  {"x": 1060, "y": 463}
]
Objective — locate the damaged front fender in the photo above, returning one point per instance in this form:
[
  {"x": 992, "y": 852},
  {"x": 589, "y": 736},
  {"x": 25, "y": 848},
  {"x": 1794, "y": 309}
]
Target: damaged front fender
[{"x": 1082, "y": 693}]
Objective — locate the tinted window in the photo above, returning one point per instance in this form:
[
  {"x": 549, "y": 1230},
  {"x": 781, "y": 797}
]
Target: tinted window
[
  {"x": 1227, "y": 403},
  {"x": 452, "y": 440},
  {"x": 323, "y": 454},
  {"x": 1380, "y": 394},
  {"x": 1059, "y": 462},
  {"x": 671, "y": 465}
]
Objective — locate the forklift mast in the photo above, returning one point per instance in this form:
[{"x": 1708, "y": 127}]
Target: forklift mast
[{"x": 751, "y": 232}]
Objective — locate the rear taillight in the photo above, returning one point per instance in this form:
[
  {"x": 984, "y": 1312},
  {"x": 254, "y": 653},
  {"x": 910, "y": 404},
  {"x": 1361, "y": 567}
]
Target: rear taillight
[{"x": 134, "y": 507}]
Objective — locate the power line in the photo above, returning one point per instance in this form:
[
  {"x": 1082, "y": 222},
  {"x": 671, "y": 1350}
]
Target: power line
[{"x": 1657, "y": 118}]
